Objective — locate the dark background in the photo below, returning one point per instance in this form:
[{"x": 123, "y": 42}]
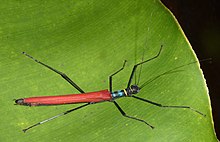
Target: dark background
[{"x": 200, "y": 21}]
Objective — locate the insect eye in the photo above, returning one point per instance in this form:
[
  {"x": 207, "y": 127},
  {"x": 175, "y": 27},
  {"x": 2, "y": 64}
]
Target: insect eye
[{"x": 135, "y": 89}]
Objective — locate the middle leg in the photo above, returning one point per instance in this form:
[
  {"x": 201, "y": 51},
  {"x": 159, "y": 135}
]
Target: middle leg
[{"x": 110, "y": 77}]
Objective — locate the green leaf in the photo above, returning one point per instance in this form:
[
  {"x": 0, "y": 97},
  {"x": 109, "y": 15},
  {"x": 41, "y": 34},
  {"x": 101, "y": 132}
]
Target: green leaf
[{"x": 89, "y": 40}]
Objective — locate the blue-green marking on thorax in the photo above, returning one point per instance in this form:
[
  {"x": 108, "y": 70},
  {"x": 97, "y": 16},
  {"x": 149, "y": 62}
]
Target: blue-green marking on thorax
[{"x": 118, "y": 94}]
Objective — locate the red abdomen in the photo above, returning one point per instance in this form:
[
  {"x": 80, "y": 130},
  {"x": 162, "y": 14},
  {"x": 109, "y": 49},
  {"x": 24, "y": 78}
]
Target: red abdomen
[{"x": 99, "y": 96}]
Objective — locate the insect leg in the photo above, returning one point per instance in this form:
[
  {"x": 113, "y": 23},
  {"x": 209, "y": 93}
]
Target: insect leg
[
  {"x": 136, "y": 65},
  {"x": 160, "y": 105},
  {"x": 131, "y": 117},
  {"x": 110, "y": 77},
  {"x": 58, "y": 72},
  {"x": 56, "y": 116}
]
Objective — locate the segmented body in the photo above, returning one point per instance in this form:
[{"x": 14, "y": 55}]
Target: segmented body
[{"x": 91, "y": 97}]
